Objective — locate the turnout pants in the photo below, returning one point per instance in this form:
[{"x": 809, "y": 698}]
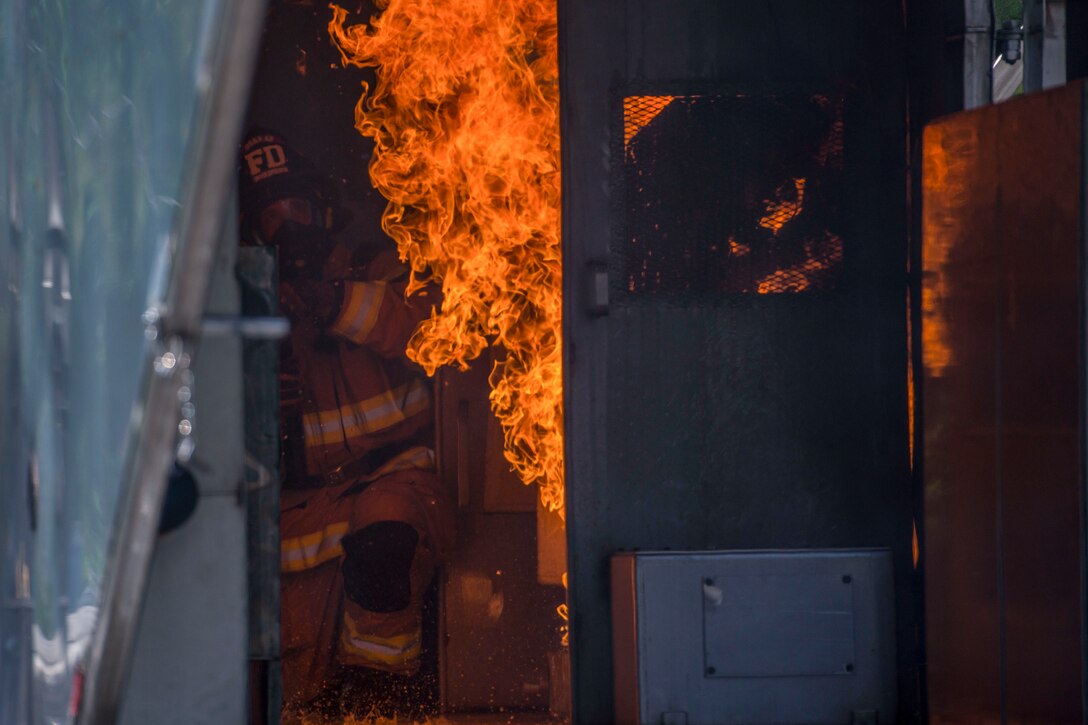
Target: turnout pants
[{"x": 323, "y": 623}]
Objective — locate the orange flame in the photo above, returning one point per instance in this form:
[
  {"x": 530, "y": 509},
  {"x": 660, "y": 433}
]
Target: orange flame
[
  {"x": 780, "y": 211},
  {"x": 820, "y": 254},
  {"x": 639, "y": 112},
  {"x": 946, "y": 151},
  {"x": 564, "y": 613},
  {"x": 465, "y": 117}
]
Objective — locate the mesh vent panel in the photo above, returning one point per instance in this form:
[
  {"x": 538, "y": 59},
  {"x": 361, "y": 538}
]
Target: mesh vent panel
[
  {"x": 639, "y": 111},
  {"x": 731, "y": 194}
]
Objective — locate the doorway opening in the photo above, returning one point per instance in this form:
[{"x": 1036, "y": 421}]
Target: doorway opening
[{"x": 386, "y": 437}]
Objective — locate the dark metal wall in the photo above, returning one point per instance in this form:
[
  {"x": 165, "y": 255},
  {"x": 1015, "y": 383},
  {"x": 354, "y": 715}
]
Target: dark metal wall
[
  {"x": 1076, "y": 32},
  {"x": 708, "y": 416},
  {"x": 936, "y": 55},
  {"x": 1002, "y": 337}
]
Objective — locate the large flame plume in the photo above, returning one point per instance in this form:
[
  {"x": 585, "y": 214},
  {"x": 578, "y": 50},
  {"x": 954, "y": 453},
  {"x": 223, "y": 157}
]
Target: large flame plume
[{"x": 465, "y": 119}]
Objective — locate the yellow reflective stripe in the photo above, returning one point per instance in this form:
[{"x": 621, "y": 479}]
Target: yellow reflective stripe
[
  {"x": 379, "y": 653},
  {"x": 305, "y": 552},
  {"x": 415, "y": 400},
  {"x": 357, "y": 318},
  {"x": 329, "y": 427},
  {"x": 334, "y": 419},
  {"x": 396, "y": 650}
]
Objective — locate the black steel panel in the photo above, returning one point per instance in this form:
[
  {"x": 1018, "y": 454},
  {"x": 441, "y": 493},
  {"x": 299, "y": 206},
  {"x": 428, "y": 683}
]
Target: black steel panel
[{"x": 698, "y": 422}]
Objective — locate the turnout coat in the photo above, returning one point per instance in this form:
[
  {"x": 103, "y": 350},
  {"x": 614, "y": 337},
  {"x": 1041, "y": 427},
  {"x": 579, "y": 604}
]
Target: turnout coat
[{"x": 361, "y": 407}]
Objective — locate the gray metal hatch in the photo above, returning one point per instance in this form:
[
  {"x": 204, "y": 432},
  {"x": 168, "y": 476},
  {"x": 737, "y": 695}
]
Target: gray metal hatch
[{"x": 754, "y": 636}]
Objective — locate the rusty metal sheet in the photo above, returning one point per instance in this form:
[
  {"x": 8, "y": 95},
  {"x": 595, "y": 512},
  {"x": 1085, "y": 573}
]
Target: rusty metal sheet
[
  {"x": 1038, "y": 242},
  {"x": 959, "y": 347},
  {"x": 1001, "y": 352}
]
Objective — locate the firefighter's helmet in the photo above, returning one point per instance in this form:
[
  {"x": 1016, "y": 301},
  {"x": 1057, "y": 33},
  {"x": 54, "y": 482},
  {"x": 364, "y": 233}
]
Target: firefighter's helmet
[{"x": 271, "y": 170}]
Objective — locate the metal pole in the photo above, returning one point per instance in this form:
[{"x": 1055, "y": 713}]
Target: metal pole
[
  {"x": 228, "y": 76},
  {"x": 978, "y": 53},
  {"x": 1044, "y": 44}
]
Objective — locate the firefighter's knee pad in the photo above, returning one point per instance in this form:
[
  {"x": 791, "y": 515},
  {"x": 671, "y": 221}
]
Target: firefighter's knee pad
[{"x": 377, "y": 565}]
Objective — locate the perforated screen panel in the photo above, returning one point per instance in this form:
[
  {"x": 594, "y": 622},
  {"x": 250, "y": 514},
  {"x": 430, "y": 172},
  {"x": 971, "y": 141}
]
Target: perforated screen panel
[{"x": 730, "y": 194}]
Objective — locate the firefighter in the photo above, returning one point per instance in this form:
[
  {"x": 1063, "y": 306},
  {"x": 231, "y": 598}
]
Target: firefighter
[{"x": 364, "y": 521}]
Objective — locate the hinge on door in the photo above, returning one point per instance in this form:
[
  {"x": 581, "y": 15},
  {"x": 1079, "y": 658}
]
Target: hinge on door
[{"x": 597, "y": 288}]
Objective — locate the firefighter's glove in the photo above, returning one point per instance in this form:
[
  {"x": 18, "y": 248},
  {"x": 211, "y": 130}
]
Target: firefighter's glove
[{"x": 310, "y": 302}]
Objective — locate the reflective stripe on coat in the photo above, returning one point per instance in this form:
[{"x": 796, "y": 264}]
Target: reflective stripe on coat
[{"x": 358, "y": 393}]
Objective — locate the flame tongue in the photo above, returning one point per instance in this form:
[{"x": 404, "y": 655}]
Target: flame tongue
[{"x": 465, "y": 119}]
